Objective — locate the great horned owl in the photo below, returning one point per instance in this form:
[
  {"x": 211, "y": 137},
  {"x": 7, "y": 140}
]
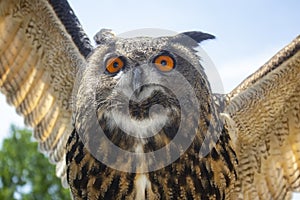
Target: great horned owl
[{"x": 136, "y": 118}]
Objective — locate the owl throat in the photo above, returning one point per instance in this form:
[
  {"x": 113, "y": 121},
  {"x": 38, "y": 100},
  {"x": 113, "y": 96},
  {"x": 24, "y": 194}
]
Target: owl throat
[{"x": 143, "y": 126}]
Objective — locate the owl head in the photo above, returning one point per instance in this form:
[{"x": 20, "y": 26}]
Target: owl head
[{"x": 142, "y": 91}]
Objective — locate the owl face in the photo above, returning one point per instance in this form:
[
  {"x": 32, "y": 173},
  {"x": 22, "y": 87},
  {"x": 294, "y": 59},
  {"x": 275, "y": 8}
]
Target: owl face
[
  {"x": 144, "y": 91},
  {"x": 144, "y": 79}
]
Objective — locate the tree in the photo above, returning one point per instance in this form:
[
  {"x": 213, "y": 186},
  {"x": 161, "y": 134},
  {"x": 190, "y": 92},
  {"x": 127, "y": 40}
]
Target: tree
[{"x": 25, "y": 173}]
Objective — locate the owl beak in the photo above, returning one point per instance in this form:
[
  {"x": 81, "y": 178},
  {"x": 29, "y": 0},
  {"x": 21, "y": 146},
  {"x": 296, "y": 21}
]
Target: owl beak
[{"x": 136, "y": 80}]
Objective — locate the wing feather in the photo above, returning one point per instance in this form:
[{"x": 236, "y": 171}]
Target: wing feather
[
  {"x": 38, "y": 64},
  {"x": 266, "y": 110}
]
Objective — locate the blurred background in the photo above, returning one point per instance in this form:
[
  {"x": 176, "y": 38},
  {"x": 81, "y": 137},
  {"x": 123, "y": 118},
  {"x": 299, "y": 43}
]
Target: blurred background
[{"x": 248, "y": 33}]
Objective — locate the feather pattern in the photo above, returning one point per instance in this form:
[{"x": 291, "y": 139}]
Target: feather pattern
[
  {"x": 265, "y": 108},
  {"x": 38, "y": 64}
]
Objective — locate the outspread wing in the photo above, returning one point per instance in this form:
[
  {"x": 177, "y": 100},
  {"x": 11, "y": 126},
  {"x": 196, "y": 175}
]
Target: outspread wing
[
  {"x": 40, "y": 52},
  {"x": 266, "y": 111}
]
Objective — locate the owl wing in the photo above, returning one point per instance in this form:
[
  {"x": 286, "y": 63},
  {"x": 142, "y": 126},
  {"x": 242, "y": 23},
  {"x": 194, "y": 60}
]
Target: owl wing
[
  {"x": 266, "y": 111},
  {"x": 42, "y": 45}
]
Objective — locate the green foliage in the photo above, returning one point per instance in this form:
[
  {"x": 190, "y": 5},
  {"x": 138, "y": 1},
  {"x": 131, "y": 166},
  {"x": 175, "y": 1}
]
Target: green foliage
[{"x": 25, "y": 173}]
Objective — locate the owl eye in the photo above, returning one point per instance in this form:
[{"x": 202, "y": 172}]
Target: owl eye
[
  {"x": 114, "y": 65},
  {"x": 164, "y": 63}
]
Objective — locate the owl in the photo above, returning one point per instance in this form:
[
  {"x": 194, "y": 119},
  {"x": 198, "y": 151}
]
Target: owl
[{"x": 135, "y": 118}]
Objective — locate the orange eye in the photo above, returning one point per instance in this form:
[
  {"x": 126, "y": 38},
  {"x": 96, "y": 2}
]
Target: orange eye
[
  {"x": 164, "y": 63},
  {"x": 115, "y": 64}
]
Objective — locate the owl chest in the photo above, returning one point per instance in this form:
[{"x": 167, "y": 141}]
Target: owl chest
[{"x": 184, "y": 179}]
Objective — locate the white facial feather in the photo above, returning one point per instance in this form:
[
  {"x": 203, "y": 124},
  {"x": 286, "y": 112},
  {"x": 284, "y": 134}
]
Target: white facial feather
[{"x": 138, "y": 128}]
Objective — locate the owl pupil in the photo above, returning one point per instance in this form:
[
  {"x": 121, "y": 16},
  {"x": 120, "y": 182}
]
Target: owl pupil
[
  {"x": 116, "y": 65},
  {"x": 163, "y": 63}
]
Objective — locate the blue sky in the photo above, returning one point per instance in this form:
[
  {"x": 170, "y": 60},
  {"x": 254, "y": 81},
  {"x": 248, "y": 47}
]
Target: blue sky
[{"x": 248, "y": 33}]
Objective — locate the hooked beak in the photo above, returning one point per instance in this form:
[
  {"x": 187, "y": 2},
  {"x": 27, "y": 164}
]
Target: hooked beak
[{"x": 137, "y": 81}]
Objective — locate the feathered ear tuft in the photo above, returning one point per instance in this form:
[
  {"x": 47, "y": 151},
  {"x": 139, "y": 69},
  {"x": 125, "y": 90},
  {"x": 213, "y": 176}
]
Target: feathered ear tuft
[
  {"x": 198, "y": 36},
  {"x": 104, "y": 36},
  {"x": 192, "y": 38}
]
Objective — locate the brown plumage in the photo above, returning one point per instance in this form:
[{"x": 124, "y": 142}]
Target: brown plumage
[{"x": 242, "y": 145}]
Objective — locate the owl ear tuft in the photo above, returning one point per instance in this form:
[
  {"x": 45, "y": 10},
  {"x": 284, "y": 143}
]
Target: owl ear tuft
[
  {"x": 192, "y": 38},
  {"x": 104, "y": 36},
  {"x": 198, "y": 36}
]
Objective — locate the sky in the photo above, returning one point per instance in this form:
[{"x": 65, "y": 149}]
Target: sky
[{"x": 248, "y": 33}]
